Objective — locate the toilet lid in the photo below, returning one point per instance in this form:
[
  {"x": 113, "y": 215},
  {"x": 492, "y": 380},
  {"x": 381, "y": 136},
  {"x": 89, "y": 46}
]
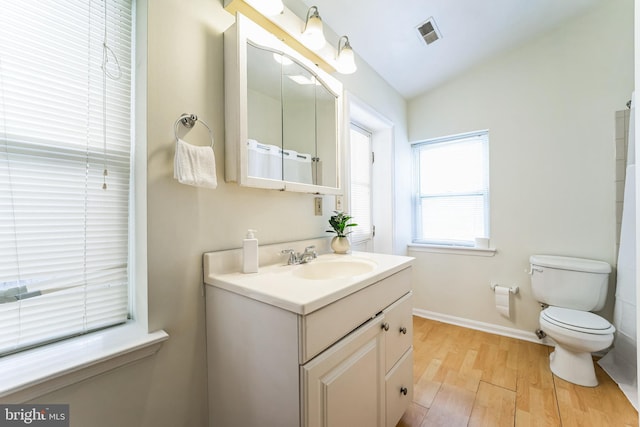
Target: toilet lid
[{"x": 577, "y": 320}]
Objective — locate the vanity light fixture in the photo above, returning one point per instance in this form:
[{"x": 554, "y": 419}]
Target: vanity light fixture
[
  {"x": 345, "y": 59},
  {"x": 267, "y": 7},
  {"x": 312, "y": 31}
]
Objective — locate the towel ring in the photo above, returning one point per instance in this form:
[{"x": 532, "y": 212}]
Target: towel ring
[{"x": 189, "y": 121}]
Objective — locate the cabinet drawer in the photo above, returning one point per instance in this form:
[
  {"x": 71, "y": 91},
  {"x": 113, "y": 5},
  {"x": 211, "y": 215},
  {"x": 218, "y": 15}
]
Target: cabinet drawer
[
  {"x": 399, "y": 388},
  {"x": 399, "y": 336},
  {"x": 322, "y": 328}
]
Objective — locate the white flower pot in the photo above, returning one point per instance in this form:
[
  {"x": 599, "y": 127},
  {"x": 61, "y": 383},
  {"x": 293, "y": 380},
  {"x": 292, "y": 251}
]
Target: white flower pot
[{"x": 340, "y": 245}]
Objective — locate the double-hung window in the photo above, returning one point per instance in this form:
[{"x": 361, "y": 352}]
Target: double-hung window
[
  {"x": 65, "y": 144},
  {"x": 451, "y": 205}
]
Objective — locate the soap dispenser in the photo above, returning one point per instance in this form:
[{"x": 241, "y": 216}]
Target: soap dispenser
[{"x": 250, "y": 253}]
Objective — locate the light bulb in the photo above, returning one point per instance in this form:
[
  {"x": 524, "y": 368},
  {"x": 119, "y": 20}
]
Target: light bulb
[
  {"x": 346, "y": 61},
  {"x": 313, "y": 35}
]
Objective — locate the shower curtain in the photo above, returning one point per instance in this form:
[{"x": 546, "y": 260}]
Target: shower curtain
[{"x": 620, "y": 363}]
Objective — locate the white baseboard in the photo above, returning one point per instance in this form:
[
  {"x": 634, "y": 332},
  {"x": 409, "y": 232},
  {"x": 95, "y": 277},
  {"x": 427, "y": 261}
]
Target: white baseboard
[{"x": 482, "y": 326}]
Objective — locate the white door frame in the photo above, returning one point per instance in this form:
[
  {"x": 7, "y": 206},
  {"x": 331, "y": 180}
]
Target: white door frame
[{"x": 382, "y": 131}]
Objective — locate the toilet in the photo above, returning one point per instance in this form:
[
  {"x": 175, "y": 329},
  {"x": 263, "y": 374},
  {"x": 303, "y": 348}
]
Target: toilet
[{"x": 572, "y": 288}]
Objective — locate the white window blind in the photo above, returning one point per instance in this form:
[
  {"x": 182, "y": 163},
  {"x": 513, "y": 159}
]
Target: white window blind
[
  {"x": 63, "y": 238},
  {"x": 452, "y": 201},
  {"x": 360, "y": 191}
]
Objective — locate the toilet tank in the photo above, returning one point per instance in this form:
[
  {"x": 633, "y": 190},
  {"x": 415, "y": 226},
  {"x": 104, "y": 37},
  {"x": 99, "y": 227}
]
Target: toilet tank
[{"x": 577, "y": 283}]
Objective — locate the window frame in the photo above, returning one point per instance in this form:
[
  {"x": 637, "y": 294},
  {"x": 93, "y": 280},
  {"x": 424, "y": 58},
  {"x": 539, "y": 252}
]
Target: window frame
[
  {"x": 417, "y": 239},
  {"x": 32, "y": 373},
  {"x": 362, "y": 237}
]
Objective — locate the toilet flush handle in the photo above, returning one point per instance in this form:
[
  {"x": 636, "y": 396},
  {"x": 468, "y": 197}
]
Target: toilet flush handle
[{"x": 533, "y": 268}]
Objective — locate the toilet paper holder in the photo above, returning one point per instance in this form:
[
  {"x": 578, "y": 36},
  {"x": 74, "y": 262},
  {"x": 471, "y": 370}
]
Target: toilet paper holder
[{"x": 514, "y": 290}]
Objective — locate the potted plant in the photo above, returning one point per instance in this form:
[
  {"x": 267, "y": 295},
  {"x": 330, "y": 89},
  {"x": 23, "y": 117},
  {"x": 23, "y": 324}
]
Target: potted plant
[{"x": 339, "y": 224}]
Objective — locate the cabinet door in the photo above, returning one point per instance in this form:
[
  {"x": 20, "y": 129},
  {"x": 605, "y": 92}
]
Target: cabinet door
[
  {"x": 398, "y": 326},
  {"x": 344, "y": 385}
]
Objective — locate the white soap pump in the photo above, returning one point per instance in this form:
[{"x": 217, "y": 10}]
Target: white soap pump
[{"x": 250, "y": 253}]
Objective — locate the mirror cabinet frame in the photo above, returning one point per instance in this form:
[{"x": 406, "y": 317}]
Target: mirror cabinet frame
[{"x": 236, "y": 41}]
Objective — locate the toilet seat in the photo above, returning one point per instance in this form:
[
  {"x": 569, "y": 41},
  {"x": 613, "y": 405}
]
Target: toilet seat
[{"x": 577, "y": 320}]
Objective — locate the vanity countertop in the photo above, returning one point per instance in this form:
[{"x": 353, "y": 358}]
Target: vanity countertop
[{"x": 281, "y": 286}]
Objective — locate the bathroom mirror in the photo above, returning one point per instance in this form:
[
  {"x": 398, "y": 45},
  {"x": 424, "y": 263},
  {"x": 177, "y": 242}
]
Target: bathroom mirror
[{"x": 283, "y": 115}]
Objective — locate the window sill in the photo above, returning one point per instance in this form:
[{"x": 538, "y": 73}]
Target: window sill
[
  {"x": 33, "y": 373},
  {"x": 457, "y": 250}
]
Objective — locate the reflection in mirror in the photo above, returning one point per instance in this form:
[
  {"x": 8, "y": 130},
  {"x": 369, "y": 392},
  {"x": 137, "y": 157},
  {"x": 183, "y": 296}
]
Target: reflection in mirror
[
  {"x": 292, "y": 121},
  {"x": 299, "y": 130},
  {"x": 264, "y": 110},
  {"x": 326, "y": 131}
]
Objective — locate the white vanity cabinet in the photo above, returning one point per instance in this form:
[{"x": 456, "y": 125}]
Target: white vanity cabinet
[{"x": 347, "y": 363}]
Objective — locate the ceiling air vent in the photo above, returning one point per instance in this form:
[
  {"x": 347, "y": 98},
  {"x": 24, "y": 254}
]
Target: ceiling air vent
[{"x": 429, "y": 31}]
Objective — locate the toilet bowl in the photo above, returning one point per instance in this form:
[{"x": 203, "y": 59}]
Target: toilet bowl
[
  {"x": 577, "y": 334},
  {"x": 571, "y": 288}
]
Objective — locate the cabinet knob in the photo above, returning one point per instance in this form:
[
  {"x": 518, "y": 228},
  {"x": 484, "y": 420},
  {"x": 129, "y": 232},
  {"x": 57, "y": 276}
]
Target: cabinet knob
[
  {"x": 403, "y": 330},
  {"x": 404, "y": 390},
  {"x": 385, "y": 326}
]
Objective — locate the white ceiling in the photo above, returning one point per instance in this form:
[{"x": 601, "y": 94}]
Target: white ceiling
[{"x": 383, "y": 33}]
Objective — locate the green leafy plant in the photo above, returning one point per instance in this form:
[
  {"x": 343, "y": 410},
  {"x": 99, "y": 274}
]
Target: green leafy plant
[{"x": 339, "y": 223}]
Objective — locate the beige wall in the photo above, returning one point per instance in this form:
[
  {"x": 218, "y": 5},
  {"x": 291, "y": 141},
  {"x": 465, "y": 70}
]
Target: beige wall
[
  {"x": 550, "y": 109},
  {"x": 185, "y": 63}
]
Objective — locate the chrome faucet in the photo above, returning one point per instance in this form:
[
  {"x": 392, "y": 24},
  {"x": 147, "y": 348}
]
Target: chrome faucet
[
  {"x": 308, "y": 255},
  {"x": 293, "y": 258}
]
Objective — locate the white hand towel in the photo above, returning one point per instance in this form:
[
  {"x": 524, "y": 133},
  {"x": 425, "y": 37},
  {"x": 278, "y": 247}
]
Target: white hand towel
[{"x": 193, "y": 165}]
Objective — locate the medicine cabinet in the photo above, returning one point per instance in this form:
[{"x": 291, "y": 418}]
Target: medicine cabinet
[{"x": 283, "y": 115}]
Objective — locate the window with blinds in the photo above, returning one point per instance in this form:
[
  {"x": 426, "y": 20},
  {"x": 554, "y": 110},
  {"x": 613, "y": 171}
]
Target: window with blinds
[
  {"x": 452, "y": 183},
  {"x": 65, "y": 156},
  {"x": 360, "y": 185}
]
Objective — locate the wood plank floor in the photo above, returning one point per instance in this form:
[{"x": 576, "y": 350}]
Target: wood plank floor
[{"x": 464, "y": 377}]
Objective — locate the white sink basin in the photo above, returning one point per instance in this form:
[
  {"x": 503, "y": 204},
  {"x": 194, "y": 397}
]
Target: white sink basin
[
  {"x": 334, "y": 269},
  {"x": 305, "y": 288}
]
